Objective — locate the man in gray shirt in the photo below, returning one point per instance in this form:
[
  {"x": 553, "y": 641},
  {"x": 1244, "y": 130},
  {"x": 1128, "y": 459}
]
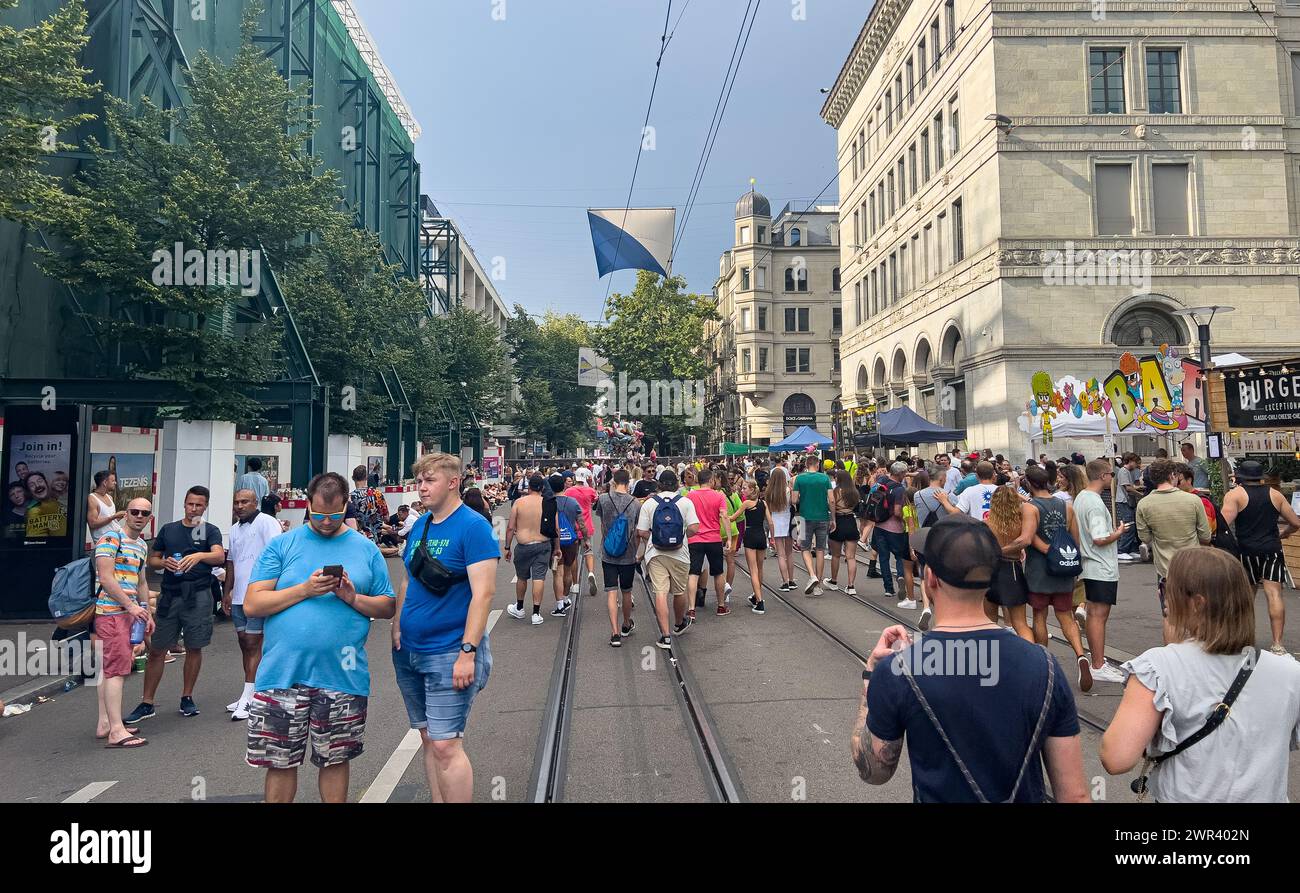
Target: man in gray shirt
[
  {"x": 252, "y": 479},
  {"x": 1128, "y": 489},
  {"x": 1200, "y": 471}
]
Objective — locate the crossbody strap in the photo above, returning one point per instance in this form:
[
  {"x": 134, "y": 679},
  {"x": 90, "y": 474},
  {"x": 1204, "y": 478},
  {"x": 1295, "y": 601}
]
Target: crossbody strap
[
  {"x": 1219, "y": 713},
  {"x": 961, "y": 764}
]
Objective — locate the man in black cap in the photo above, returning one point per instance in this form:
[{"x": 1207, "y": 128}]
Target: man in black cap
[
  {"x": 997, "y": 698},
  {"x": 1256, "y": 509}
]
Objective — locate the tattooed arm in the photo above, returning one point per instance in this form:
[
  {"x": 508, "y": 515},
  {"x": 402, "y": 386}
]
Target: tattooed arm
[{"x": 876, "y": 760}]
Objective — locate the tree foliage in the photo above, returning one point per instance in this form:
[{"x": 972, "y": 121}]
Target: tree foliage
[
  {"x": 471, "y": 345},
  {"x": 234, "y": 177},
  {"x": 545, "y": 359},
  {"x": 39, "y": 78},
  {"x": 655, "y": 334}
]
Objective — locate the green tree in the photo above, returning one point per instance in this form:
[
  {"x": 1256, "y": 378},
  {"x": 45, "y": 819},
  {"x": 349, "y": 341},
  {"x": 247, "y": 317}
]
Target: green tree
[
  {"x": 547, "y": 352},
  {"x": 535, "y": 413},
  {"x": 234, "y": 178},
  {"x": 656, "y": 333},
  {"x": 360, "y": 318},
  {"x": 39, "y": 78},
  {"x": 477, "y": 375}
]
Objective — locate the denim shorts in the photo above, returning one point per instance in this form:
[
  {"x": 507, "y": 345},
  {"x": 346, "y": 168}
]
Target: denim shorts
[
  {"x": 432, "y": 702},
  {"x": 244, "y": 624}
]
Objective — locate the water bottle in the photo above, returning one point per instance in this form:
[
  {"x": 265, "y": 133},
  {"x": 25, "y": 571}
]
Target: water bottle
[
  {"x": 176, "y": 556},
  {"x": 137, "y": 632}
]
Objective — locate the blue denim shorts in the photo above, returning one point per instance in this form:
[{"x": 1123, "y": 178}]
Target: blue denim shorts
[
  {"x": 245, "y": 624},
  {"x": 432, "y": 703}
]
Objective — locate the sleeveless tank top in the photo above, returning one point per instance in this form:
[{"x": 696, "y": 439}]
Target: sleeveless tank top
[
  {"x": 106, "y": 507},
  {"x": 1257, "y": 522}
]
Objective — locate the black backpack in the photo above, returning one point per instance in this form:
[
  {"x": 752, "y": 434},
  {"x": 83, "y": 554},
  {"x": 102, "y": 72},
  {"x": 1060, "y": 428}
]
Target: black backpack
[
  {"x": 1063, "y": 555},
  {"x": 548, "y": 526},
  {"x": 880, "y": 506},
  {"x": 1223, "y": 537}
]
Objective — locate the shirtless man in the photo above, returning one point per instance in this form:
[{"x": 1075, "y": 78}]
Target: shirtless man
[{"x": 532, "y": 557}]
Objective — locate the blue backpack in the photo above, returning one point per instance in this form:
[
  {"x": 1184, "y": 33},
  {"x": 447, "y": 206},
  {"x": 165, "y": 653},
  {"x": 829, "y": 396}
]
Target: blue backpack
[
  {"x": 667, "y": 531},
  {"x": 72, "y": 596},
  {"x": 618, "y": 537},
  {"x": 564, "y": 527}
]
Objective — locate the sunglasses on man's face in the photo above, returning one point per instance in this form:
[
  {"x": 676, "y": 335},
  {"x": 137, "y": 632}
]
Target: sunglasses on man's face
[
  {"x": 333, "y": 516},
  {"x": 139, "y": 513}
]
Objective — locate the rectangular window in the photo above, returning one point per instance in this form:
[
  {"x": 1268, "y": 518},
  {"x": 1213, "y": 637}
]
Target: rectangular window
[
  {"x": 744, "y": 278},
  {"x": 1295, "y": 82},
  {"x": 902, "y": 182},
  {"x": 801, "y": 278},
  {"x": 911, "y": 84},
  {"x": 857, "y": 303},
  {"x": 875, "y": 135},
  {"x": 857, "y": 228},
  {"x": 925, "y": 252},
  {"x": 745, "y": 319},
  {"x": 893, "y": 277},
  {"x": 803, "y": 312},
  {"x": 925, "y": 155},
  {"x": 905, "y": 285},
  {"x": 853, "y": 155},
  {"x": 1164, "y": 97},
  {"x": 744, "y": 235},
  {"x": 911, "y": 167},
  {"x": 762, "y": 235},
  {"x": 797, "y": 359},
  {"x": 958, "y": 237},
  {"x": 796, "y": 319},
  {"x": 939, "y": 256},
  {"x": 835, "y": 358},
  {"x": 762, "y": 319},
  {"x": 789, "y": 319},
  {"x": 938, "y": 141},
  {"x": 805, "y": 358},
  {"x": 889, "y": 113},
  {"x": 761, "y": 281},
  {"x": 920, "y": 61},
  {"x": 871, "y": 202},
  {"x": 954, "y": 130},
  {"x": 1106, "y": 81},
  {"x": 950, "y": 22},
  {"x": 916, "y": 249},
  {"x": 1170, "y": 183},
  {"x": 936, "y": 42},
  {"x": 890, "y": 180},
  {"x": 902, "y": 97},
  {"x": 1114, "y": 195},
  {"x": 745, "y": 360},
  {"x": 880, "y": 200},
  {"x": 837, "y": 319},
  {"x": 762, "y": 359},
  {"x": 862, "y": 149}
]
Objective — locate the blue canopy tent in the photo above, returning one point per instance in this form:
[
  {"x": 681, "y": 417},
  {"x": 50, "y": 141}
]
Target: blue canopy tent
[
  {"x": 903, "y": 427},
  {"x": 800, "y": 440}
]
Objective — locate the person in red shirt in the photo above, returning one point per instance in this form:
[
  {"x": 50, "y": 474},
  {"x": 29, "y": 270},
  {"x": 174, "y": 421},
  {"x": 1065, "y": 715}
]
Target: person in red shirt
[
  {"x": 1183, "y": 477},
  {"x": 707, "y": 543},
  {"x": 586, "y": 498}
]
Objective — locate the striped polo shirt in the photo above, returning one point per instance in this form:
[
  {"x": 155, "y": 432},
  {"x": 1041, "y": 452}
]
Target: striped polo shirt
[{"x": 130, "y": 554}]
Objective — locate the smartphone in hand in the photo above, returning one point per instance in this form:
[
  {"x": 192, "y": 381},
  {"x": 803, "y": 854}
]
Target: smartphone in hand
[{"x": 333, "y": 570}]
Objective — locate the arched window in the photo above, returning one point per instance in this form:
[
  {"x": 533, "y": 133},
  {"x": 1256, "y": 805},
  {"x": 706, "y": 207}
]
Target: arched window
[
  {"x": 801, "y": 279},
  {"x": 835, "y": 279},
  {"x": 862, "y": 380},
  {"x": 795, "y": 237},
  {"x": 789, "y": 278},
  {"x": 1147, "y": 325}
]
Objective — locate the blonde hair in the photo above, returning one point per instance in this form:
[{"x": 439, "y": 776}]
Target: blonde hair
[
  {"x": 433, "y": 462},
  {"x": 777, "y": 494},
  {"x": 1005, "y": 514},
  {"x": 1210, "y": 600}
]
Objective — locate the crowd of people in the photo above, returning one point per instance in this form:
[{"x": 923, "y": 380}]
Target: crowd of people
[{"x": 970, "y": 541}]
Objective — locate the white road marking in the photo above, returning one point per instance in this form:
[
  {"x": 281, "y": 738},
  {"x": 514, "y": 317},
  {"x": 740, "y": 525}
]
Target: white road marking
[
  {"x": 90, "y": 792},
  {"x": 819, "y": 729},
  {"x": 386, "y": 781},
  {"x": 493, "y": 618}
]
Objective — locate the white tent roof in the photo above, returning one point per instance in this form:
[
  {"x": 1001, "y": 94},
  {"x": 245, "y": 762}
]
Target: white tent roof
[{"x": 1231, "y": 359}]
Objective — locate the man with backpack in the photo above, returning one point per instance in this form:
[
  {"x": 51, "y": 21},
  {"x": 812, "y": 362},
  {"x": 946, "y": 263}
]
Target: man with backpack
[
  {"x": 665, "y": 522},
  {"x": 810, "y": 497},
  {"x": 974, "y": 734},
  {"x": 122, "y": 599},
  {"x": 562, "y": 522},
  {"x": 619, "y": 512},
  {"x": 533, "y": 554},
  {"x": 369, "y": 505},
  {"x": 885, "y": 503}
]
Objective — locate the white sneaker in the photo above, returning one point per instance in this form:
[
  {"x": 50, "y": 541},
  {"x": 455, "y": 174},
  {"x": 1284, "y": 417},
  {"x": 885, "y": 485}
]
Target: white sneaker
[
  {"x": 591, "y": 583},
  {"x": 812, "y": 584},
  {"x": 1080, "y": 615},
  {"x": 537, "y": 620},
  {"x": 927, "y": 616},
  {"x": 573, "y": 590},
  {"x": 515, "y": 612},
  {"x": 832, "y": 585},
  {"x": 817, "y": 590},
  {"x": 514, "y": 579},
  {"x": 1107, "y": 673},
  {"x": 907, "y": 604},
  {"x": 240, "y": 714},
  {"x": 231, "y": 708},
  {"x": 1128, "y": 556},
  {"x": 727, "y": 589},
  {"x": 851, "y": 590}
]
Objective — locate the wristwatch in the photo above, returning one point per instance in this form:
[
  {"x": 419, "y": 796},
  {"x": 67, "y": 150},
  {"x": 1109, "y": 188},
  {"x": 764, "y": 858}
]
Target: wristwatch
[
  {"x": 866, "y": 675},
  {"x": 467, "y": 648}
]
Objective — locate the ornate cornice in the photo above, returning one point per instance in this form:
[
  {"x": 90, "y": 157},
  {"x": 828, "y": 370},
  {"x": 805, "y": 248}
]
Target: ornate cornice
[
  {"x": 871, "y": 43},
  {"x": 1087, "y": 6}
]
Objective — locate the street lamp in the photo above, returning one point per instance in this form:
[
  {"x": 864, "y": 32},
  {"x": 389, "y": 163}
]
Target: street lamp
[{"x": 1196, "y": 314}]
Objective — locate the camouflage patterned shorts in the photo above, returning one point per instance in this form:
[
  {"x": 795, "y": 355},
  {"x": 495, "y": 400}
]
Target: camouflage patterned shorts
[{"x": 281, "y": 721}]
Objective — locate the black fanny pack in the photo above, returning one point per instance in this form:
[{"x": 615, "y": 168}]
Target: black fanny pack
[{"x": 432, "y": 573}]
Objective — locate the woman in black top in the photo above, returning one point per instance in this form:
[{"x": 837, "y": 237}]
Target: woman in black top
[
  {"x": 845, "y": 500},
  {"x": 757, "y": 522}
]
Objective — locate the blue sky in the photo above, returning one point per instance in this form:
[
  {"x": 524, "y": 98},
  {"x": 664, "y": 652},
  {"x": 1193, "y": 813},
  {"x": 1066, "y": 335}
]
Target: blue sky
[{"x": 545, "y": 109}]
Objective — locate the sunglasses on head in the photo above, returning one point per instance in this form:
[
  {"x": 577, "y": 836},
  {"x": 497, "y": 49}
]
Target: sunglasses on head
[
  {"x": 333, "y": 516},
  {"x": 139, "y": 513}
]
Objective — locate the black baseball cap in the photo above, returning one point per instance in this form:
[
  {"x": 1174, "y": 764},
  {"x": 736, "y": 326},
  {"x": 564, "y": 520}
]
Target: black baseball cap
[
  {"x": 961, "y": 551},
  {"x": 1249, "y": 470}
]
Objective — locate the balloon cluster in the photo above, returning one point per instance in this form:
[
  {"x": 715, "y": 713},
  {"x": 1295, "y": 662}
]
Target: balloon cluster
[{"x": 619, "y": 433}]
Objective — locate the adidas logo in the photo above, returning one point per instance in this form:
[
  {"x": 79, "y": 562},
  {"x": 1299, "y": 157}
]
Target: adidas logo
[{"x": 1069, "y": 554}]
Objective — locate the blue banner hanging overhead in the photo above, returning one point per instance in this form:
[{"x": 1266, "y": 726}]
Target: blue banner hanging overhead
[{"x": 635, "y": 239}]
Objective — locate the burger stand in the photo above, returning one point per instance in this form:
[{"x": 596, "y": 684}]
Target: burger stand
[{"x": 1255, "y": 414}]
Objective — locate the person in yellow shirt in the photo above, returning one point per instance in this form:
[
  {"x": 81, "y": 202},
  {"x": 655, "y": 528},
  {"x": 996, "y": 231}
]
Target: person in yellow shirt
[{"x": 45, "y": 517}]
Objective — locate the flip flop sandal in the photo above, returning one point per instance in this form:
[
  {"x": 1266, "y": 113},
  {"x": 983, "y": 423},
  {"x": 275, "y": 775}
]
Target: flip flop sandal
[
  {"x": 128, "y": 728},
  {"x": 124, "y": 745}
]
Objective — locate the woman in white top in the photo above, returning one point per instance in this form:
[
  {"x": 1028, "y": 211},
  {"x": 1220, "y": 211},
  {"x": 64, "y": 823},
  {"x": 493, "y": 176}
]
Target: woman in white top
[
  {"x": 1172, "y": 690},
  {"x": 777, "y": 499},
  {"x": 101, "y": 515}
]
